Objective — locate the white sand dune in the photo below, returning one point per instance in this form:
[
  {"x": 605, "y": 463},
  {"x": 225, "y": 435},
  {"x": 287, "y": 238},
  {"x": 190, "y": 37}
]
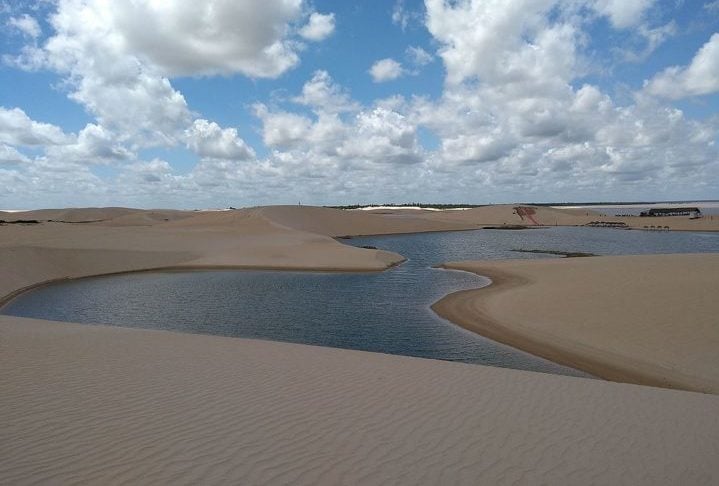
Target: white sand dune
[
  {"x": 70, "y": 215},
  {"x": 646, "y": 319},
  {"x": 103, "y": 405}
]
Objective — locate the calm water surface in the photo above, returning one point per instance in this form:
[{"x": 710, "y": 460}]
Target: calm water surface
[{"x": 386, "y": 312}]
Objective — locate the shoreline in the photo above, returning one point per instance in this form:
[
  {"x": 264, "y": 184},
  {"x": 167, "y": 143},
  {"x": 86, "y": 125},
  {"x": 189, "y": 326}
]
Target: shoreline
[
  {"x": 7, "y": 298},
  {"x": 469, "y": 310}
]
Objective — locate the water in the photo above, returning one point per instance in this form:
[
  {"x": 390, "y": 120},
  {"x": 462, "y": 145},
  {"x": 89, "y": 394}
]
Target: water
[{"x": 386, "y": 312}]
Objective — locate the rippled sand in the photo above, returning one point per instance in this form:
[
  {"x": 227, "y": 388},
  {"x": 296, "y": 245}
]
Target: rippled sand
[{"x": 102, "y": 405}]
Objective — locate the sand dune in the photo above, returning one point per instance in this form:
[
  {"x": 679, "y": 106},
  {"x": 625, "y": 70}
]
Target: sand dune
[
  {"x": 645, "y": 319},
  {"x": 148, "y": 218},
  {"x": 103, "y": 405},
  {"x": 335, "y": 222},
  {"x": 242, "y": 239},
  {"x": 70, "y": 215},
  {"x": 506, "y": 214}
]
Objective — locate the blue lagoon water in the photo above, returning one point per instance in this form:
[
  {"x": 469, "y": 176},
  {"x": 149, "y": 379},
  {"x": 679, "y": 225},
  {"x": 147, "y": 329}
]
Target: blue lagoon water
[{"x": 386, "y": 312}]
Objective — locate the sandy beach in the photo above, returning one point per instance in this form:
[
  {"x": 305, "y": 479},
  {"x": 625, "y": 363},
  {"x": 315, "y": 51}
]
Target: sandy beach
[{"x": 108, "y": 405}]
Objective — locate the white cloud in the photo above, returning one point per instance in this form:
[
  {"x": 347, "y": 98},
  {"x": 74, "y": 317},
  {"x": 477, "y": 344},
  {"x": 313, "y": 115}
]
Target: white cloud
[
  {"x": 150, "y": 172},
  {"x": 117, "y": 61},
  {"x": 700, "y": 77},
  {"x": 319, "y": 27},
  {"x": 208, "y": 139},
  {"x": 383, "y": 136},
  {"x": 16, "y": 128},
  {"x": 514, "y": 119},
  {"x": 418, "y": 56},
  {"x": 377, "y": 135},
  {"x": 94, "y": 145},
  {"x": 385, "y": 70},
  {"x": 127, "y": 95},
  {"x": 623, "y": 13},
  {"x": 403, "y": 17},
  {"x": 322, "y": 94},
  {"x": 399, "y": 15},
  {"x": 283, "y": 130},
  {"x": 10, "y": 155},
  {"x": 503, "y": 41},
  {"x": 653, "y": 38},
  {"x": 27, "y": 25},
  {"x": 188, "y": 38}
]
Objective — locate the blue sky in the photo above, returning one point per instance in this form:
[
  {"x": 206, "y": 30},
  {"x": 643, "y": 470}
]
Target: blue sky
[{"x": 274, "y": 101}]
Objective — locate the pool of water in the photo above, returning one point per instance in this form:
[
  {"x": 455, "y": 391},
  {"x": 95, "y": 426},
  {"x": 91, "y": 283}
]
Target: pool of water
[{"x": 386, "y": 312}]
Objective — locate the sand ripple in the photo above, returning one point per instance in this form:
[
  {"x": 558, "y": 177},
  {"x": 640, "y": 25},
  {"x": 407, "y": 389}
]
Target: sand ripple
[{"x": 84, "y": 404}]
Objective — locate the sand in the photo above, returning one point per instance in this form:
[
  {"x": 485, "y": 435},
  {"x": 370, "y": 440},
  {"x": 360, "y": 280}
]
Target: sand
[
  {"x": 105, "y": 405},
  {"x": 644, "y": 319}
]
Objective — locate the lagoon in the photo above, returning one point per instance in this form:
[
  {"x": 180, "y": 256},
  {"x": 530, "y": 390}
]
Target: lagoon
[{"x": 386, "y": 312}]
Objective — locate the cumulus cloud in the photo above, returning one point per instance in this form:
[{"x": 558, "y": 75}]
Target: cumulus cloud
[
  {"x": 117, "y": 61},
  {"x": 319, "y": 27},
  {"x": 208, "y": 139},
  {"x": 385, "y": 70},
  {"x": 283, "y": 130},
  {"x": 510, "y": 43},
  {"x": 16, "y": 128},
  {"x": 377, "y": 135},
  {"x": 26, "y": 24},
  {"x": 10, "y": 155},
  {"x": 188, "y": 38},
  {"x": 516, "y": 118},
  {"x": 510, "y": 108},
  {"x": 700, "y": 77},
  {"x": 93, "y": 145},
  {"x": 622, "y": 13},
  {"x": 383, "y": 136},
  {"x": 323, "y": 95}
]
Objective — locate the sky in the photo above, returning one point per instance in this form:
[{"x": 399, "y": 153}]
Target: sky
[{"x": 176, "y": 104}]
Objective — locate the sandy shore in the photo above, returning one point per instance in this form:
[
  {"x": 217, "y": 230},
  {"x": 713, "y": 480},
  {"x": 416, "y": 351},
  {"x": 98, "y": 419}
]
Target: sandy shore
[
  {"x": 104, "y": 405},
  {"x": 641, "y": 319}
]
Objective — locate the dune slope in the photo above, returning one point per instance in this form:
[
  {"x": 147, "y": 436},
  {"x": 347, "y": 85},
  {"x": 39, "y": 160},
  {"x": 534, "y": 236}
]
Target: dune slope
[
  {"x": 645, "y": 319},
  {"x": 105, "y": 405}
]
